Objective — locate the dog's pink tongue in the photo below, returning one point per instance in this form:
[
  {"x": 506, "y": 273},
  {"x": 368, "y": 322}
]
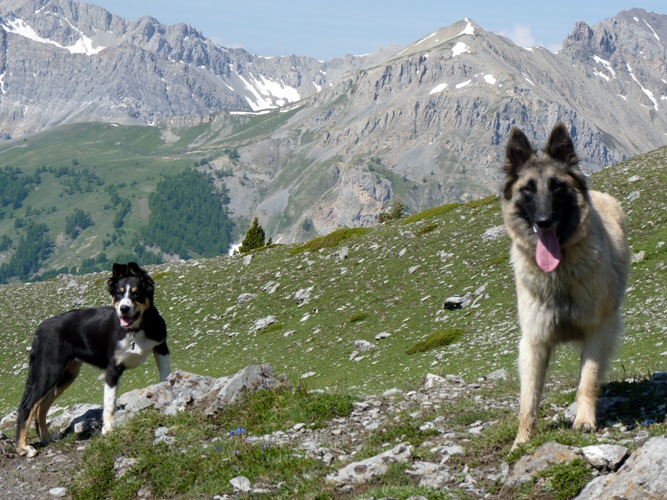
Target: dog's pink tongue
[
  {"x": 125, "y": 321},
  {"x": 547, "y": 254}
]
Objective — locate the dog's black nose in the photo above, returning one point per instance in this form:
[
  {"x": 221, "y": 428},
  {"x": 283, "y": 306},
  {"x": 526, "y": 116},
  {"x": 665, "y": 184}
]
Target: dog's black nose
[
  {"x": 544, "y": 223},
  {"x": 124, "y": 309}
]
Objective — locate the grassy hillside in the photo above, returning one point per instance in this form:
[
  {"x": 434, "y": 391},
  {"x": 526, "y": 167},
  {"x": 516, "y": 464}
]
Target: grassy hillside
[
  {"x": 83, "y": 167},
  {"x": 109, "y": 171},
  {"x": 393, "y": 281}
]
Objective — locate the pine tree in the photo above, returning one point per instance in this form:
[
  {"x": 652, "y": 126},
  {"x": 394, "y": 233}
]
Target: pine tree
[
  {"x": 396, "y": 212},
  {"x": 254, "y": 238}
]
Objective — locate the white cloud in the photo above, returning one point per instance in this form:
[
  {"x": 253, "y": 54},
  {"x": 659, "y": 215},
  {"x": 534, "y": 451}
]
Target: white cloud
[{"x": 521, "y": 35}]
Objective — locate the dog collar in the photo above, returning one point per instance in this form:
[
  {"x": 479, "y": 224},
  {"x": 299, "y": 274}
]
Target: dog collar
[{"x": 133, "y": 332}]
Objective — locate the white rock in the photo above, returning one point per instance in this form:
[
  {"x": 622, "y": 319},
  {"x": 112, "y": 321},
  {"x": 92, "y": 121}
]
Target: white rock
[
  {"x": 433, "y": 381},
  {"x": 605, "y": 456},
  {"x": 241, "y": 483}
]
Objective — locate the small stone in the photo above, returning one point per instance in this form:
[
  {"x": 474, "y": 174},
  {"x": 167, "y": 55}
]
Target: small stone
[
  {"x": 452, "y": 303},
  {"x": 241, "y": 483},
  {"x": 501, "y": 374}
]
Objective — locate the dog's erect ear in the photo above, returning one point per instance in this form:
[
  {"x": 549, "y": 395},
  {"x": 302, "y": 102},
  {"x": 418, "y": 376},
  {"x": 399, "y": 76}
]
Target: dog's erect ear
[
  {"x": 519, "y": 150},
  {"x": 560, "y": 146},
  {"x": 149, "y": 284},
  {"x": 119, "y": 270},
  {"x": 135, "y": 269}
]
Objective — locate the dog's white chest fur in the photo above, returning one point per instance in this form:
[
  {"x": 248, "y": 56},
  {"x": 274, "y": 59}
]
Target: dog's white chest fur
[{"x": 133, "y": 349}]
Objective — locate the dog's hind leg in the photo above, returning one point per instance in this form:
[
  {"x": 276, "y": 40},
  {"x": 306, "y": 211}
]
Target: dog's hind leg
[
  {"x": 533, "y": 363},
  {"x": 26, "y": 415},
  {"x": 66, "y": 378},
  {"x": 40, "y": 386},
  {"x": 40, "y": 416},
  {"x": 595, "y": 355},
  {"x": 28, "y": 410}
]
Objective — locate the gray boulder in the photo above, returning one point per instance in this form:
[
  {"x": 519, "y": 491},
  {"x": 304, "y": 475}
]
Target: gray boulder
[
  {"x": 227, "y": 390},
  {"x": 180, "y": 391},
  {"x": 643, "y": 476},
  {"x": 364, "y": 470}
]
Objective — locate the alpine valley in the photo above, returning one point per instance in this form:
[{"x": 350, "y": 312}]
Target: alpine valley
[{"x": 99, "y": 114}]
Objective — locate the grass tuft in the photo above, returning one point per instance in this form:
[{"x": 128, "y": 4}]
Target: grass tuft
[
  {"x": 358, "y": 317},
  {"x": 426, "y": 229},
  {"x": 483, "y": 201},
  {"x": 566, "y": 480},
  {"x": 431, "y": 212},
  {"x": 440, "y": 338},
  {"x": 330, "y": 240}
]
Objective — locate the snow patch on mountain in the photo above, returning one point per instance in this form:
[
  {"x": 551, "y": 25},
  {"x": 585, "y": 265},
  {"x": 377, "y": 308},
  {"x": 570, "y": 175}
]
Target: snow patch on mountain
[
  {"x": 438, "y": 88},
  {"x": 469, "y": 29},
  {"x": 607, "y": 66},
  {"x": 460, "y": 48},
  {"x": 84, "y": 45},
  {"x": 646, "y": 91},
  {"x": 268, "y": 94}
]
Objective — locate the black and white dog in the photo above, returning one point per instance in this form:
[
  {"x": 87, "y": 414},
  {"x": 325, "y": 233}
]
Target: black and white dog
[{"x": 111, "y": 338}]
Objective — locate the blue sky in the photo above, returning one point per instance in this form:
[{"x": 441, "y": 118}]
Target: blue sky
[{"x": 328, "y": 29}]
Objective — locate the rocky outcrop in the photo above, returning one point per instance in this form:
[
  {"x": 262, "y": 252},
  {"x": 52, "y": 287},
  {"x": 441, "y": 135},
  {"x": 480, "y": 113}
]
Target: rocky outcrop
[
  {"x": 64, "y": 62},
  {"x": 620, "y": 473},
  {"x": 643, "y": 476}
]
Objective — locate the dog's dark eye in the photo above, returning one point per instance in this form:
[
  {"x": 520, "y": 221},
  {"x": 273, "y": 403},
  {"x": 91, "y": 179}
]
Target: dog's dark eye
[
  {"x": 528, "y": 189},
  {"x": 557, "y": 186}
]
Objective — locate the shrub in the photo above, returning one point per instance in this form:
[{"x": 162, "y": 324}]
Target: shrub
[
  {"x": 437, "y": 339},
  {"x": 431, "y": 212},
  {"x": 426, "y": 229},
  {"x": 484, "y": 201},
  {"x": 331, "y": 239},
  {"x": 358, "y": 317}
]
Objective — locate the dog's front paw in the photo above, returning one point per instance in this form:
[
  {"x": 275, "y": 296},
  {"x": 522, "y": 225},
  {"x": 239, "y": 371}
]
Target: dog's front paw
[
  {"x": 26, "y": 451},
  {"x": 107, "y": 427},
  {"x": 584, "y": 425},
  {"x": 527, "y": 429},
  {"x": 519, "y": 441}
]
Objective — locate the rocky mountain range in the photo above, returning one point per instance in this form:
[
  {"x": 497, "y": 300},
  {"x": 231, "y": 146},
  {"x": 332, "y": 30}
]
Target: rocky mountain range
[
  {"x": 64, "y": 61},
  {"x": 338, "y": 140}
]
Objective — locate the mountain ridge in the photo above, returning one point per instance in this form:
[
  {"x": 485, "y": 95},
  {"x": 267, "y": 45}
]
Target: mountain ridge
[
  {"x": 425, "y": 123},
  {"x": 127, "y": 61}
]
